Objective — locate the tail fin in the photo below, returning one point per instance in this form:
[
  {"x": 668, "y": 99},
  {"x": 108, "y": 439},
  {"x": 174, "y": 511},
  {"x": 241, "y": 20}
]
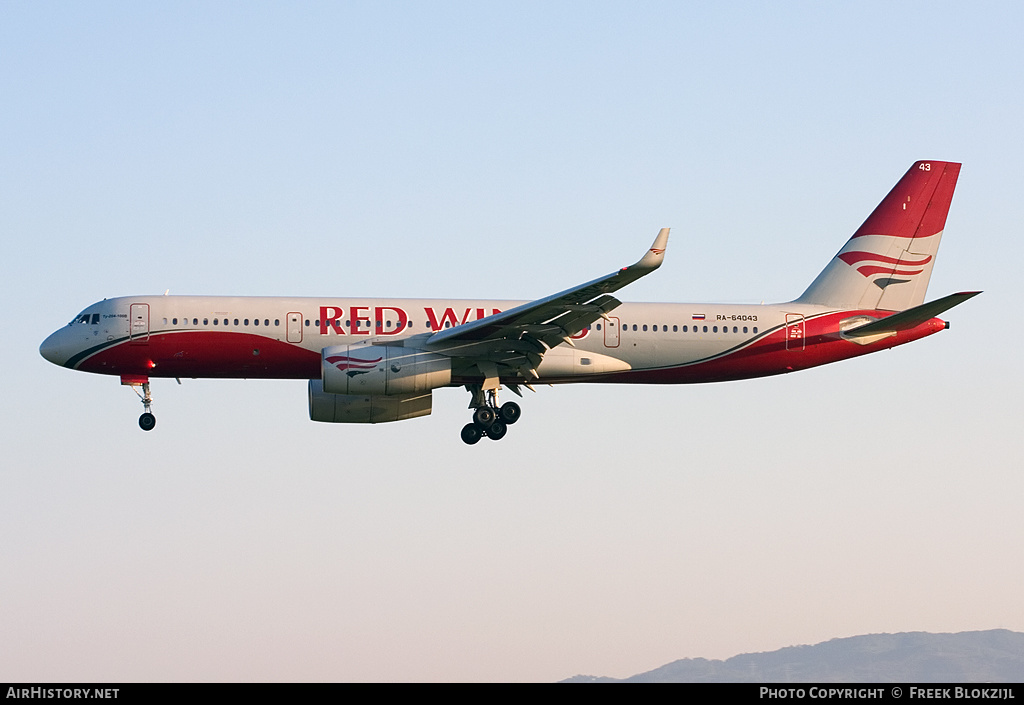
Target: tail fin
[{"x": 888, "y": 261}]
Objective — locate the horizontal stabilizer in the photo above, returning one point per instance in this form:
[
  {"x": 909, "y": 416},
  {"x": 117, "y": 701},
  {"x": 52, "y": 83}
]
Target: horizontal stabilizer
[{"x": 912, "y": 317}]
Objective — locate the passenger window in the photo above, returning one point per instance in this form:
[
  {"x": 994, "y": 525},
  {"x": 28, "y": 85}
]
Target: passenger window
[
  {"x": 174, "y": 321},
  {"x": 755, "y": 329},
  {"x": 744, "y": 329},
  {"x": 214, "y": 321},
  {"x": 685, "y": 329},
  {"x": 735, "y": 329},
  {"x": 206, "y": 321},
  {"x": 277, "y": 321},
  {"x": 705, "y": 329},
  {"x": 645, "y": 327},
  {"x": 255, "y": 321},
  {"x": 245, "y": 322},
  {"x": 236, "y": 321}
]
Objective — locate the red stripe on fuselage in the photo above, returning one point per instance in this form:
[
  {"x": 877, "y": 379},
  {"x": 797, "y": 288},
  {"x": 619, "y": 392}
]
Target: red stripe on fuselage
[
  {"x": 206, "y": 354},
  {"x": 769, "y": 355},
  {"x": 216, "y": 354},
  {"x": 822, "y": 344}
]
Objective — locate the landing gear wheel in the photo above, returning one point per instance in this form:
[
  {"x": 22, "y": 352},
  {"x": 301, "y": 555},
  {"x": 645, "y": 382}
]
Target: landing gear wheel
[
  {"x": 510, "y": 412},
  {"x": 147, "y": 422},
  {"x": 471, "y": 433},
  {"x": 484, "y": 417},
  {"x": 497, "y": 431},
  {"x": 489, "y": 419}
]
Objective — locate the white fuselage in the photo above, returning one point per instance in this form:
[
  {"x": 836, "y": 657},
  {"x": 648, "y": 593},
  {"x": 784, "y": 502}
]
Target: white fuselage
[{"x": 271, "y": 337}]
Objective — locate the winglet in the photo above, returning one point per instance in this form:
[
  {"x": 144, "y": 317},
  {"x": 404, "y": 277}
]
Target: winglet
[{"x": 656, "y": 255}]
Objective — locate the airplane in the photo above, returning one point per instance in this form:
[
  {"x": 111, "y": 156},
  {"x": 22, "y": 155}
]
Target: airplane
[{"x": 372, "y": 360}]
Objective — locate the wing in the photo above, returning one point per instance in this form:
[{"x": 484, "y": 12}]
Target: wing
[{"x": 519, "y": 337}]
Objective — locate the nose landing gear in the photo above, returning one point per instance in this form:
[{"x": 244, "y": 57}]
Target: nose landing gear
[
  {"x": 147, "y": 422},
  {"x": 489, "y": 419}
]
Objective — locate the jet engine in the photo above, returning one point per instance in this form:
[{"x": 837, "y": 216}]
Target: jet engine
[
  {"x": 382, "y": 370},
  {"x": 365, "y": 408}
]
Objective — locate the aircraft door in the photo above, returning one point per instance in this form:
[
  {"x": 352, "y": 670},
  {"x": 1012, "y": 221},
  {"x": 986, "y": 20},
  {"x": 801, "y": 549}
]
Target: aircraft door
[
  {"x": 611, "y": 332},
  {"x": 794, "y": 332},
  {"x": 294, "y": 327},
  {"x": 138, "y": 324}
]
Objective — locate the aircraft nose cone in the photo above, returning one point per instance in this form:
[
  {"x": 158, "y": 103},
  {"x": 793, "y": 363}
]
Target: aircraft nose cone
[{"x": 53, "y": 350}]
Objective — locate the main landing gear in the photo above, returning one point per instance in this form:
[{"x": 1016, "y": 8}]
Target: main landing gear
[{"x": 489, "y": 419}]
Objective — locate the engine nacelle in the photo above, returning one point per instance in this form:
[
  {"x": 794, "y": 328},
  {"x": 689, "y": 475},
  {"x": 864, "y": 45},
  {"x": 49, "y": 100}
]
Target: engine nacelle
[
  {"x": 365, "y": 408},
  {"x": 382, "y": 369}
]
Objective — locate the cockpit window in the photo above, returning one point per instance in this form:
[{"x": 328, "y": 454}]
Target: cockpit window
[{"x": 95, "y": 319}]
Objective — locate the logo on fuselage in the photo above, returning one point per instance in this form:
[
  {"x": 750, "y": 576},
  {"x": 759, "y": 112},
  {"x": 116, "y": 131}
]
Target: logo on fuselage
[{"x": 353, "y": 366}]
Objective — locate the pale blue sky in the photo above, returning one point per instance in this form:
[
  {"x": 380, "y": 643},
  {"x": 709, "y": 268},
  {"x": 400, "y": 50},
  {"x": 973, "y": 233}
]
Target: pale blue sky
[{"x": 472, "y": 150}]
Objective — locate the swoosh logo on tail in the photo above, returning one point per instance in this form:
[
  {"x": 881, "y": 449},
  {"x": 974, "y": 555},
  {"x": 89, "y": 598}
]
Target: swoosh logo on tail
[{"x": 881, "y": 264}]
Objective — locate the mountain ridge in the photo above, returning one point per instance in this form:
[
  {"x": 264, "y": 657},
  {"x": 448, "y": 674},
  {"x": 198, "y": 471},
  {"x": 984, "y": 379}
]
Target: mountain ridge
[{"x": 994, "y": 655}]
